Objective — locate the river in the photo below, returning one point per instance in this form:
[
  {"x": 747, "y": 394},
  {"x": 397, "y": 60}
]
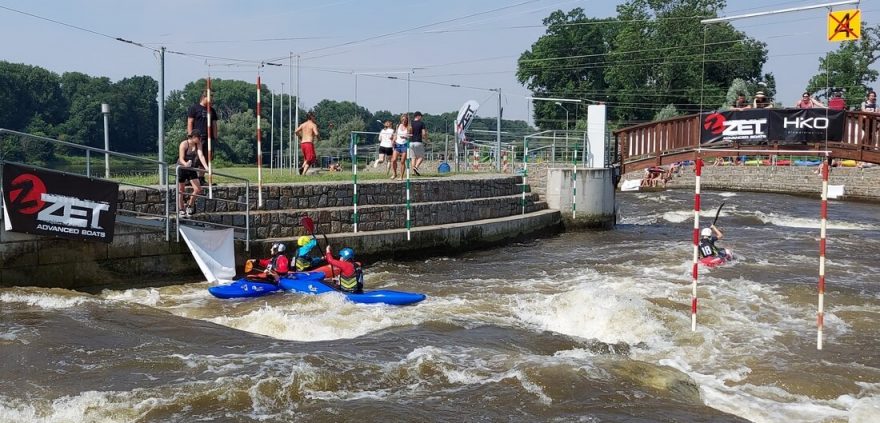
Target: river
[{"x": 586, "y": 327}]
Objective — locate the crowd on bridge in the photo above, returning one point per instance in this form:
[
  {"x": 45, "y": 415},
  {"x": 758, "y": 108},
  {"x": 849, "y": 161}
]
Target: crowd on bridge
[{"x": 807, "y": 101}]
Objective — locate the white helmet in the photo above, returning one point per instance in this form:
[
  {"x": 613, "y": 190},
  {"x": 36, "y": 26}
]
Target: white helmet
[{"x": 706, "y": 232}]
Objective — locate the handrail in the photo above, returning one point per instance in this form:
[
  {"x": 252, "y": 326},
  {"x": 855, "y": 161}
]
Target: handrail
[{"x": 246, "y": 203}]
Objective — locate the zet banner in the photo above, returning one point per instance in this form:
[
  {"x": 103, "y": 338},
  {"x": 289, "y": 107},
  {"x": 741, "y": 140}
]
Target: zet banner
[
  {"x": 465, "y": 116},
  {"x": 50, "y": 203},
  {"x": 781, "y": 126}
]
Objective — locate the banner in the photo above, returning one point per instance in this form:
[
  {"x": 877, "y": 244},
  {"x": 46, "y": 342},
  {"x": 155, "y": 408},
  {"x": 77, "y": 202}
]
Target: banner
[
  {"x": 50, "y": 203},
  {"x": 465, "y": 117},
  {"x": 845, "y": 25},
  {"x": 214, "y": 251},
  {"x": 795, "y": 126},
  {"x": 781, "y": 126}
]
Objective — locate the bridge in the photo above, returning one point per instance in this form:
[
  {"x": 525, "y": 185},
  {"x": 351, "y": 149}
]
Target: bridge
[{"x": 673, "y": 140}]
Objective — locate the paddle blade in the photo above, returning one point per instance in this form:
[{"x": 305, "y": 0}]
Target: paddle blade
[
  {"x": 248, "y": 266},
  {"x": 718, "y": 213},
  {"x": 309, "y": 224}
]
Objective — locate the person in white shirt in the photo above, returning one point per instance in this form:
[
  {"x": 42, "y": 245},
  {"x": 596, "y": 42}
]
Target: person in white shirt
[
  {"x": 386, "y": 145},
  {"x": 401, "y": 144}
]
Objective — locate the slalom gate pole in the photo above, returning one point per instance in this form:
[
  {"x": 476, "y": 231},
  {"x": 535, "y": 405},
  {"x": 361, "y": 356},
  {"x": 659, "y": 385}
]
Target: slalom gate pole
[
  {"x": 209, "y": 127},
  {"x": 354, "y": 180},
  {"x": 695, "y": 271},
  {"x": 574, "y": 176},
  {"x": 259, "y": 147},
  {"x": 408, "y": 202},
  {"x": 525, "y": 174},
  {"x": 823, "y": 219}
]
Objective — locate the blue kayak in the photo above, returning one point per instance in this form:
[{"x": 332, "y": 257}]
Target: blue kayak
[
  {"x": 381, "y": 296},
  {"x": 807, "y": 162},
  {"x": 244, "y": 288}
]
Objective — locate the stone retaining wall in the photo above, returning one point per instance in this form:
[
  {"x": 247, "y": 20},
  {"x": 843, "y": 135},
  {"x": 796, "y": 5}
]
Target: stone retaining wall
[{"x": 863, "y": 184}]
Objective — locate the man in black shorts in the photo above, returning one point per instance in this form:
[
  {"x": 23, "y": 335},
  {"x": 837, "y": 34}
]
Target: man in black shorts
[{"x": 197, "y": 118}]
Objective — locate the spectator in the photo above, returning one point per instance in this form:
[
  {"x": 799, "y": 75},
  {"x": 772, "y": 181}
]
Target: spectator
[
  {"x": 401, "y": 144},
  {"x": 308, "y": 134},
  {"x": 837, "y": 102},
  {"x": 761, "y": 101},
  {"x": 189, "y": 156},
  {"x": 870, "y": 103},
  {"x": 416, "y": 145},
  {"x": 740, "y": 103},
  {"x": 197, "y": 118},
  {"x": 386, "y": 145},
  {"x": 808, "y": 102}
]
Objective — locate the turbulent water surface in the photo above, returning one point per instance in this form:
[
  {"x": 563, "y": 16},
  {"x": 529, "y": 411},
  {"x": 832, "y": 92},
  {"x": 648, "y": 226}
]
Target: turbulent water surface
[{"x": 591, "y": 327}]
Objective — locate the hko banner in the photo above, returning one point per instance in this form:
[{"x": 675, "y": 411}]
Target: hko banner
[
  {"x": 50, "y": 203},
  {"x": 781, "y": 126}
]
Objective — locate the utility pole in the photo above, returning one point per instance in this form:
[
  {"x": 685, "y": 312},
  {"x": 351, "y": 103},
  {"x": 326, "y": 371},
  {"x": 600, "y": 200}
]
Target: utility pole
[{"x": 163, "y": 173}]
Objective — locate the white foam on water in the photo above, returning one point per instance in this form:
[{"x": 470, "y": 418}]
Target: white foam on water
[
  {"x": 592, "y": 311},
  {"x": 90, "y": 406},
  {"x": 809, "y": 223},
  {"x": 146, "y": 296},
  {"x": 728, "y": 194},
  {"x": 48, "y": 301}
]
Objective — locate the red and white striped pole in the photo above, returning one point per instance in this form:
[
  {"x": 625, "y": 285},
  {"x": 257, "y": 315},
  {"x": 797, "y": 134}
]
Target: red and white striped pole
[
  {"x": 823, "y": 219},
  {"x": 259, "y": 149},
  {"x": 699, "y": 170},
  {"x": 210, "y": 127}
]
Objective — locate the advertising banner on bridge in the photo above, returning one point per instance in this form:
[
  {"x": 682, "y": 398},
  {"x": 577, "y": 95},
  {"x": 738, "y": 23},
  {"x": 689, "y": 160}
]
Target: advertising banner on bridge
[
  {"x": 780, "y": 126},
  {"x": 50, "y": 203}
]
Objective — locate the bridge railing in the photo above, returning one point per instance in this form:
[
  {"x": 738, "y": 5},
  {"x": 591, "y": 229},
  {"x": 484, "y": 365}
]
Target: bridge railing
[{"x": 666, "y": 141}]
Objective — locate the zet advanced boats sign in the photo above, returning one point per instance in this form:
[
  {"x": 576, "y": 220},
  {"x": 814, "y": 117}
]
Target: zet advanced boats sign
[{"x": 42, "y": 202}]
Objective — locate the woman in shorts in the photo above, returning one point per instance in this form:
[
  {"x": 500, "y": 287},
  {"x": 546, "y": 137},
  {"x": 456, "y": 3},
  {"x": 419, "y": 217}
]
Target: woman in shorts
[
  {"x": 386, "y": 145},
  {"x": 401, "y": 144}
]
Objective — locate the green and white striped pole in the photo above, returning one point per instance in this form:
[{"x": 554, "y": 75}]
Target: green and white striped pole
[
  {"x": 408, "y": 203},
  {"x": 574, "y": 177},
  {"x": 354, "y": 176}
]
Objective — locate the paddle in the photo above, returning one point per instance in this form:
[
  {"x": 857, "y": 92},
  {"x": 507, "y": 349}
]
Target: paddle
[
  {"x": 718, "y": 213},
  {"x": 309, "y": 224}
]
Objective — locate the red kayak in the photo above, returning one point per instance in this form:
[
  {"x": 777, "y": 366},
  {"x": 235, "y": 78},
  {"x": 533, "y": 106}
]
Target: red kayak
[{"x": 714, "y": 261}]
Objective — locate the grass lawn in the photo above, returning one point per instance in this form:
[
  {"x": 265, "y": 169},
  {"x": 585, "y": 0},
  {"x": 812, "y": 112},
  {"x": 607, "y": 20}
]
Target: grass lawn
[{"x": 273, "y": 176}]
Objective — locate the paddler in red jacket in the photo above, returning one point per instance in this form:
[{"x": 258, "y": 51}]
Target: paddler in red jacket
[
  {"x": 276, "y": 266},
  {"x": 351, "y": 277}
]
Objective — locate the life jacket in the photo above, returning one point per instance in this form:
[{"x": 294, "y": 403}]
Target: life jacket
[
  {"x": 302, "y": 263},
  {"x": 708, "y": 248},
  {"x": 352, "y": 283}
]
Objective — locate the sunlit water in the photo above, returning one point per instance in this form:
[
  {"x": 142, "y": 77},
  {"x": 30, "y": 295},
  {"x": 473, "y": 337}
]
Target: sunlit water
[{"x": 590, "y": 327}]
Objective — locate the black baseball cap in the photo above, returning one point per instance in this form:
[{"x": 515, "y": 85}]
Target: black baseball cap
[{"x": 417, "y": 114}]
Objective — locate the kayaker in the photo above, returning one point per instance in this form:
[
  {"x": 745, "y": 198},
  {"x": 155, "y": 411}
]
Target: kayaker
[
  {"x": 708, "y": 237},
  {"x": 303, "y": 260},
  {"x": 351, "y": 276},
  {"x": 275, "y": 266}
]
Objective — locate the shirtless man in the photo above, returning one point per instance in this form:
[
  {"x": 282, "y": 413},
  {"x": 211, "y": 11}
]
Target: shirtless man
[{"x": 308, "y": 134}]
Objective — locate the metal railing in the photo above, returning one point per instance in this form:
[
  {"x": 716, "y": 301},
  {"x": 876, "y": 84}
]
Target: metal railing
[
  {"x": 215, "y": 198},
  {"x": 142, "y": 215}
]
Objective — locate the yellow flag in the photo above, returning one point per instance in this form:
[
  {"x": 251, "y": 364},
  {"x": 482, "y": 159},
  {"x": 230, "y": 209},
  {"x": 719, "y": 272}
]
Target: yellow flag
[{"x": 845, "y": 25}]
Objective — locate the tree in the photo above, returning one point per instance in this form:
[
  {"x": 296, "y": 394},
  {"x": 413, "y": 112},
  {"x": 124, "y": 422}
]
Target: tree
[
  {"x": 568, "y": 61},
  {"x": 667, "y": 112},
  {"x": 662, "y": 54},
  {"x": 849, "y": 68},
  {"x": 28, "y": 93},
  {"x": 133, "y": 115}
]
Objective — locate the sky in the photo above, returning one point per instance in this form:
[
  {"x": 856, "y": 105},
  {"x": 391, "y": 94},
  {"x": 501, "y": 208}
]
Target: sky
[{"x": 451, "y": 51}]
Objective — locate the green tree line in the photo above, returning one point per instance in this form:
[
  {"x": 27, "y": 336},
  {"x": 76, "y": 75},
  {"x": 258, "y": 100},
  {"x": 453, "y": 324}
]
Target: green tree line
[
  {"x": 68, "y": 107},
  {"x": 654, "y": 59}
]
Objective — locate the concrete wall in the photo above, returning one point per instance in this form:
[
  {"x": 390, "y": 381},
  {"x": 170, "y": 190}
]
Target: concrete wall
[
  {"x": 463, "y": 213},
  {"x": 594, "y": 196},
  {"x": 861, "y": 184}
]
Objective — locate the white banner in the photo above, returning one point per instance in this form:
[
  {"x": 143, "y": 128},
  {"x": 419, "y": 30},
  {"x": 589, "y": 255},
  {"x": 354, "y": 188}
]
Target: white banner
[
  {"x": 214, "y": 251},
  {"x": 465, "y": 117}
]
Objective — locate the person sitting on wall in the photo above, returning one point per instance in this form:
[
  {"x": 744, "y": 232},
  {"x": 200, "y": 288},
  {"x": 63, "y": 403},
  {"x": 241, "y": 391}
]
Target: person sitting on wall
[
  {"x": 274, "y": 267},
  {"x": 351, "y": 276},
  {"x": 870, "y": 103},
  {"x": 708, "y": 237},
  {"x": 304, "y": 261}
]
